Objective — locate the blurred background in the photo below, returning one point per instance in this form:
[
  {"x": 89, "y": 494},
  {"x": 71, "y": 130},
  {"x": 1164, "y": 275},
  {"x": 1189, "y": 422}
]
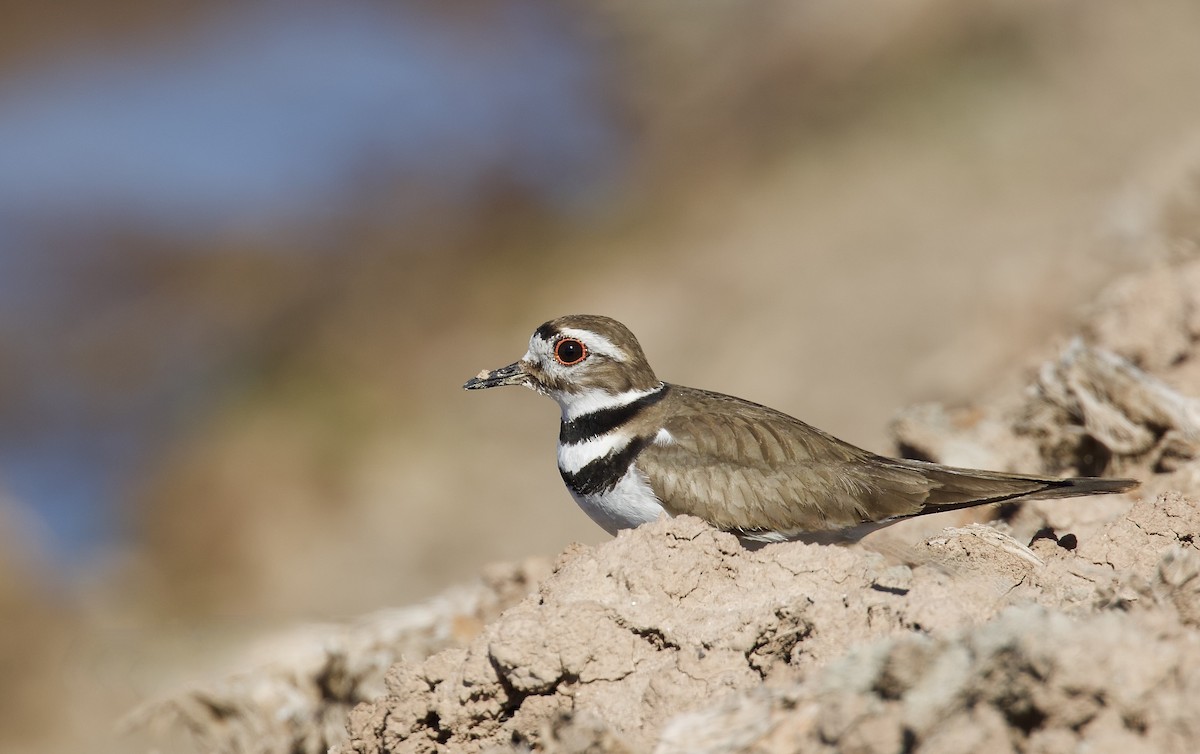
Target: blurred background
[{"x": 250, "y": 251}]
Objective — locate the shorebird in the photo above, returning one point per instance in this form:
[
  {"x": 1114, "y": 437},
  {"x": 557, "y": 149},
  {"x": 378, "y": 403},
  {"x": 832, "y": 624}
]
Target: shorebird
[{"x": 632, "y": 448}]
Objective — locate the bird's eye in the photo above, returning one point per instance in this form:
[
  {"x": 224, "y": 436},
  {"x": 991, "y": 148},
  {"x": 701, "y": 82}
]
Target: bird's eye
[{"x": 569, "y": 351}]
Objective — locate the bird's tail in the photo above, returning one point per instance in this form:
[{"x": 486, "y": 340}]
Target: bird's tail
[
  {"x": 966, "y": 488},
  {"x": 1080, "y": 485}
]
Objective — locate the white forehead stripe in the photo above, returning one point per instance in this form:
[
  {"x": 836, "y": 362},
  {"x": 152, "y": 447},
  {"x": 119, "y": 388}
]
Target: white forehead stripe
[{"x": 595, "y": 343}]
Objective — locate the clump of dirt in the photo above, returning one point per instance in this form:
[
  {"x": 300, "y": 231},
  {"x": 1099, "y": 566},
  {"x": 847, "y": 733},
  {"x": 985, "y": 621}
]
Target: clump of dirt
[
  {"x": 1030, "y": 680},
  {"x": 1119, "y": 401}
]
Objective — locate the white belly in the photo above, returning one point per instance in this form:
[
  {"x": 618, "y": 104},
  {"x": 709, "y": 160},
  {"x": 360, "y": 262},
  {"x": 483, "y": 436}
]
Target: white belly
[{"x": 628, "y": 504}]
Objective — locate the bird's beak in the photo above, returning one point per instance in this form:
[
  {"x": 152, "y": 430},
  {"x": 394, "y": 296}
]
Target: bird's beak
[{"x": 513, "y": 374}]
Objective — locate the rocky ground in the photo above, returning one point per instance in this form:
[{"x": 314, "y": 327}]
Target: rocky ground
[{"x": 1060, "y": 624}]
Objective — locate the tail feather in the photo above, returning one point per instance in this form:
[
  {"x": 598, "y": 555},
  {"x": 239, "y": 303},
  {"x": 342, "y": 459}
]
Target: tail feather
[
  {"x": 955, "y": 489},
  {"x": 1078, "y": 486}
]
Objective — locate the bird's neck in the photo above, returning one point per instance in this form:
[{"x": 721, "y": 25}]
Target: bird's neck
[{"x": 592, "y": 400}]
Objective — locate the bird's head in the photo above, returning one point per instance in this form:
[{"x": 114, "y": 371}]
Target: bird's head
[{"x": 582, "y": 361}]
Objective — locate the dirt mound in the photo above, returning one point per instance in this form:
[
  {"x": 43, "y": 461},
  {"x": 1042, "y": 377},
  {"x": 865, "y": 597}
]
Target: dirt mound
[{"x": 677, "y": 616}]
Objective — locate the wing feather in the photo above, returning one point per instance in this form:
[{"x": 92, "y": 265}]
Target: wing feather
[{"x": 746, "y": 467}]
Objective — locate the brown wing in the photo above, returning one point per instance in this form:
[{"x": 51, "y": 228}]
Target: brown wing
[{"x": 742, "y": 466}]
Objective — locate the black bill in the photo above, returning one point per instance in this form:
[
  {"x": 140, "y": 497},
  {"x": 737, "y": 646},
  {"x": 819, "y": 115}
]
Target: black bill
[{"x": 512, "y": 374}]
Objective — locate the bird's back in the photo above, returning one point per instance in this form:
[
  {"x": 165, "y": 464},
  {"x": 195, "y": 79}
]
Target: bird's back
[{"x": 749, "y": 468}]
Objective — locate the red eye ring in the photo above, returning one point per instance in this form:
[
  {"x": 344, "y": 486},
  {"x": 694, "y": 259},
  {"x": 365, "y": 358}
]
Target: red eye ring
[{"x": 570, "y": 351}]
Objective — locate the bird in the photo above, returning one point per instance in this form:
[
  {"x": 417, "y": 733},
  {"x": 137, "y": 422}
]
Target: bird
[{"x": 633, "y": 448}]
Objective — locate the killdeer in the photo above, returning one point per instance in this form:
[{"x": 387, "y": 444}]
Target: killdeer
[{"x": 632, "y": 448}]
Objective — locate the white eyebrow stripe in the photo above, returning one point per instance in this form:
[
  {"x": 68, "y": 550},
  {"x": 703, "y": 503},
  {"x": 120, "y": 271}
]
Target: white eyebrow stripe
[{"x": 595, "y": 342}]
